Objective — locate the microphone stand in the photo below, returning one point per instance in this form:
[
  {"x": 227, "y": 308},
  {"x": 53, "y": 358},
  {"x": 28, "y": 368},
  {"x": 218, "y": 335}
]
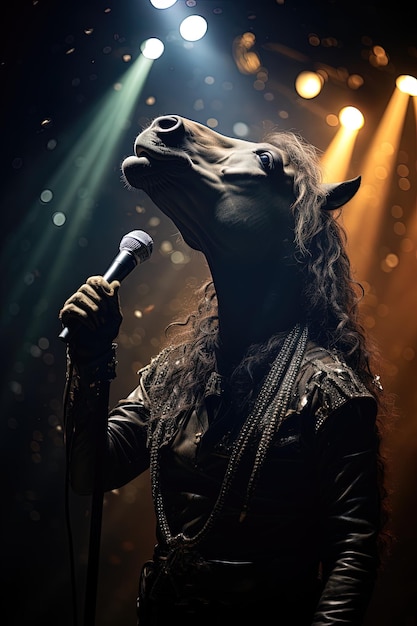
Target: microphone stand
[{"x": 90, "y": 600}]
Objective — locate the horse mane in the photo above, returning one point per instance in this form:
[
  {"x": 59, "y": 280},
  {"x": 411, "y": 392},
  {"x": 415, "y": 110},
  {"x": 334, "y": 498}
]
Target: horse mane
[{"x": 331, "y": 295}]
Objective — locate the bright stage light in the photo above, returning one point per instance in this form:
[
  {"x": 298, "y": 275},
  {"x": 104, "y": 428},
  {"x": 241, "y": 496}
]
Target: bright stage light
[
  {"x": 308, "y": 84},
  {"x": 193, "y": 28},
  {"x": 407, "y": 84},
  {"x": 152, "y": 48},
  {"x": 351, "y": 118},
  {"x": 162, "y": 4}
]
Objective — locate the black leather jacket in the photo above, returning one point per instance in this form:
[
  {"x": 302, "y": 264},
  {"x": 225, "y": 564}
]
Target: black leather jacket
[{"x": 313, "y": 520}]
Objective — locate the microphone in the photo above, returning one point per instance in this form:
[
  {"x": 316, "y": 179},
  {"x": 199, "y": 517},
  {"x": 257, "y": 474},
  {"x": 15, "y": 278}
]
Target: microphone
[{"x": 135, "y": 247}]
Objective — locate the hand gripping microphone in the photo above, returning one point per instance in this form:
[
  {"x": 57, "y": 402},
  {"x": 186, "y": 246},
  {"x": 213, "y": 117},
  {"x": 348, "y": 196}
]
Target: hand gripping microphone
[{"x": 135, "y": 247}]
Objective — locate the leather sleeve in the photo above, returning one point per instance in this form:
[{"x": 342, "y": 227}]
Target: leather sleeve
[
  {"x": 350, "y": 512},
  {"x": 124, "y": 449}
]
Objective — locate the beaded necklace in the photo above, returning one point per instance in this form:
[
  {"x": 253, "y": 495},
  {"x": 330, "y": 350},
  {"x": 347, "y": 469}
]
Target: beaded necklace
[{"x": 268, "y": 412}]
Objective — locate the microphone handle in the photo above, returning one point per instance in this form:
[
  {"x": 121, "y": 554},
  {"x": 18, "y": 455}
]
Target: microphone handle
[
  {"x": 122, "y": 265},
  {"x": 64, "y": 335}
]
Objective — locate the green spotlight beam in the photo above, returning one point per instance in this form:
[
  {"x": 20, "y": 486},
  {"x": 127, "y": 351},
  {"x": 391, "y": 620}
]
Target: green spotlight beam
[
  {"x": 98, "y": 146},
  {"x": 73, "y": 194}
]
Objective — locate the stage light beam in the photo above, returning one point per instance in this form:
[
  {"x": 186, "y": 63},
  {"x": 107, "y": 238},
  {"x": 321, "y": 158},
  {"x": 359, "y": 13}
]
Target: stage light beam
[
  {"x": 366, "y": 209},
  {"x": 337, "y": 157},
  {"x": 74, "y": 188}
]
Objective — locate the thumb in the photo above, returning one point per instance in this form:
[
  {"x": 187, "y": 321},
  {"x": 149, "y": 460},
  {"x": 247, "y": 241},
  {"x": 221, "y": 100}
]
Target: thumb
[{"x": 114, "y": 286}]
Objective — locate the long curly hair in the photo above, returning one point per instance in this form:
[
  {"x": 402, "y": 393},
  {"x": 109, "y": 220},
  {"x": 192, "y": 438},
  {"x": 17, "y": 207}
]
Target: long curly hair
[{"x": 331, "y": 296}]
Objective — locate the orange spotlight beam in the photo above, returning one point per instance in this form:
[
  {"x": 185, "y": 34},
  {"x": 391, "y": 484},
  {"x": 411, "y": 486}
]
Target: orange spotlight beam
[
  {"x": 366, "y": 209},
  {"x": 336, "y": 159}
]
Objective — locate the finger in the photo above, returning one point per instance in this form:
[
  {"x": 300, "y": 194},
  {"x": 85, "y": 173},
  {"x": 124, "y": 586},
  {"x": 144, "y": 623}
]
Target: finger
[
  {"x": 85, "y": 298},
  {"x": 83, "y": 305},
  {"x": 115, "y": 285},
  {"x": 91, "y": 293},
  {"x": 101, "y": 285},
  {"x": 71, "y": 314},
  {"x": 94, "y": 292},
  {"x": 105, "y": 295}
]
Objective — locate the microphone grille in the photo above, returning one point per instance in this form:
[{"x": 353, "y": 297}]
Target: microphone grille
[{"x": 138, "y": 243}]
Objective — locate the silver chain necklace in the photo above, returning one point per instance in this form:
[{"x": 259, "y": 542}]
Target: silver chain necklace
[{"x": 268, "y": 412}]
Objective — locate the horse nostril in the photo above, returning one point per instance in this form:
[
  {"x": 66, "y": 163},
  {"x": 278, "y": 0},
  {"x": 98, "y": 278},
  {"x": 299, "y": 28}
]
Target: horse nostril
[{"x": 169, "y": 127}]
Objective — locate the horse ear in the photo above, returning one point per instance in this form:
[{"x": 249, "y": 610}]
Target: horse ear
[{"x": 339, "y": 194}]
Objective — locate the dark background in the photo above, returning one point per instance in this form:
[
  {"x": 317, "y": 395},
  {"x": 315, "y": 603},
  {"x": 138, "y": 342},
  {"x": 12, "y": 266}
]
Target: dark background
[{"x": 59, "y": 61}]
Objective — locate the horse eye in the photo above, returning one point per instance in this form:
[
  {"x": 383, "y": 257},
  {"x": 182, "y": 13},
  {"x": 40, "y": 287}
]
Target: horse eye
[{"x": 267, "y": 161}]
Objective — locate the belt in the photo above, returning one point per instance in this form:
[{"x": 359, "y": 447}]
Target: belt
[{"x": 188, "y": 577}]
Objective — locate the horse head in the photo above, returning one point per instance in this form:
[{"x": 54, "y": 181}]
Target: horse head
[{"x": 254, "y": 210}]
